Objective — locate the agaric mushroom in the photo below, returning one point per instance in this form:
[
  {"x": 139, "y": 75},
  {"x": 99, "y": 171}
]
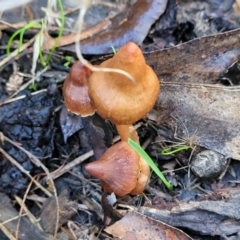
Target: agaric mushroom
[
  {"x": 75, "y": 91},
  {"x": 142, "y": 178},
  {"x": 120, "y": 170},
  {"x": 119, "y": 99}
]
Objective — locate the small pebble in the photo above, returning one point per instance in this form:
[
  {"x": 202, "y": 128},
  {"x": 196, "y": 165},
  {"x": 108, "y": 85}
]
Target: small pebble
[{"x": 208, "y": 164}]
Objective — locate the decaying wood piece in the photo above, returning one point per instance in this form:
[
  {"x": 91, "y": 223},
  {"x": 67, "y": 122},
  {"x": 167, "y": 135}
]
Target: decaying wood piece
[
  {"x": 217, "y": 218},
  {"x": 48, "y": 214},
  {"x": 191, "y": 100},
  {"x": 27, "y": 230}
]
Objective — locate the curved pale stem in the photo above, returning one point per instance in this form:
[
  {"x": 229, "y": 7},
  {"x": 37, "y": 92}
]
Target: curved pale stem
[{"x": 86, "y": 4}]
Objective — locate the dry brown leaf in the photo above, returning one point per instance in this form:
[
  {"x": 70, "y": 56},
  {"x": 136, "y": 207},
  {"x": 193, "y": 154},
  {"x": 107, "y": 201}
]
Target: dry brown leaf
[
  {"x": 132, "y": 24},
  {"x": 203, "y": 115},
  {"x": 67, "y": 210},
  {"x": 50, "y": 42},
  {"x": 191, "y": 101},
  {"x": 134, "y": 226}
]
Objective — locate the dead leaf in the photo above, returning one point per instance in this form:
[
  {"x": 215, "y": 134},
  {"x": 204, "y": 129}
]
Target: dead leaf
[
  {"x": 202, "y": 60},
  {"x": 203, "y": 115},
  {"x": 50, "y": 42},
  {"x": 26, "y": 230},
  {"x": 134, "y": 226},
  {"x": 204, "y": 112},
  {"x": 67, "y": 209},
  {"x": 131, "y": 25},
  {"x": 70, "y": 123}
]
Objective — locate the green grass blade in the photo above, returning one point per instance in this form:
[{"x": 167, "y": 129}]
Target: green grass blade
[
  {"x": 21, "y": 32},
  {"x": 60, "y": 33},
  {"x": 150, "y": 162},
  {"x": 169, "y": 151},
  {"x": 113, "y": 49},
  {"x": 9, "y": 43}
]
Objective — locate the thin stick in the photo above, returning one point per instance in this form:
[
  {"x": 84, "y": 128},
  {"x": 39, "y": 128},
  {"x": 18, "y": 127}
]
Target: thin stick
[
  {"x": 29, "y": 82},
  {"x": 17, "y": 51},
  {"x": 71, "y": 165},
  {"x": 21, "y": 97},
  {"x": 73, "y": 37},
  {"x": 19, "y": 166},
  {"x": 38, "y": 163},
  {"x": 6, "y": 232},
  {"x": 31, "y": 217}
]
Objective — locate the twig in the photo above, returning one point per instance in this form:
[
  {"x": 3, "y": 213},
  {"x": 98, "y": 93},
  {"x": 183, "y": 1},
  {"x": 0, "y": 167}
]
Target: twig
[
  {"x": 6, "y": 25},
  {"x": 17, "y": 51},
  {"x": 31, "y": 217},
  {"x": 38, "y": 163},
  {"x": 73, "y": 37},
  {"x": 71, "y": 165},
  {"x": 6, "y": 232},
  {"x": 19, "y": 166},
  {"x": 28, "y": 213},
  {"x": 225, "y": 169},
  {"x": 21, "y": 97}
]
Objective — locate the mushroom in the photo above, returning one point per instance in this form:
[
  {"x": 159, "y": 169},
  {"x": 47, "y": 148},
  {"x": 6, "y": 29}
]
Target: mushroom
[
  {"x": 123, "y": 101},
  {"x": 120, "y": 170},
  {"x": 119, "y": 99},
  {"x": 142, "y": 178},
  {"x": 75, "y": 91}
]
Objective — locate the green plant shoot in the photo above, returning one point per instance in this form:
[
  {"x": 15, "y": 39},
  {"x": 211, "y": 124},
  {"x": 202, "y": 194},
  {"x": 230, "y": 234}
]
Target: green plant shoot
[
  {"x": 69, "y": 60},
  {"x": 114, "y": 50},
  {"x": 33, "y": 87},
  {"x": 171, "y": 150},
  {"x": 22, "y": 30},
  {"x": 150, "y": 162},
  {"x": 60, "y": 33}
]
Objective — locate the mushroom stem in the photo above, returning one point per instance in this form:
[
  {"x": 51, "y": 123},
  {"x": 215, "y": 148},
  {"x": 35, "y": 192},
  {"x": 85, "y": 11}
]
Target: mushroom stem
[
  {"x": 85, "y": 5},
  {"x": 127, "y": 131}
]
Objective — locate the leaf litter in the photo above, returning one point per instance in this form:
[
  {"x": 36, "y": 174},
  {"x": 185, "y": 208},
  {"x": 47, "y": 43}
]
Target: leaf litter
[
  {"x": 192, "y": 91},
  {"x": 197, "y": 107}
]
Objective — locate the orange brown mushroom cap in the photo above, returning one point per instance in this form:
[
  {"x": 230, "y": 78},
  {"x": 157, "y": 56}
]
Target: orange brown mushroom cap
[
  {"x": 115, "y": 96},
  {"x": 143, "y": 178},
  {"x": 75, "y": 91},
  {"x": 118, "y": 169}
]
